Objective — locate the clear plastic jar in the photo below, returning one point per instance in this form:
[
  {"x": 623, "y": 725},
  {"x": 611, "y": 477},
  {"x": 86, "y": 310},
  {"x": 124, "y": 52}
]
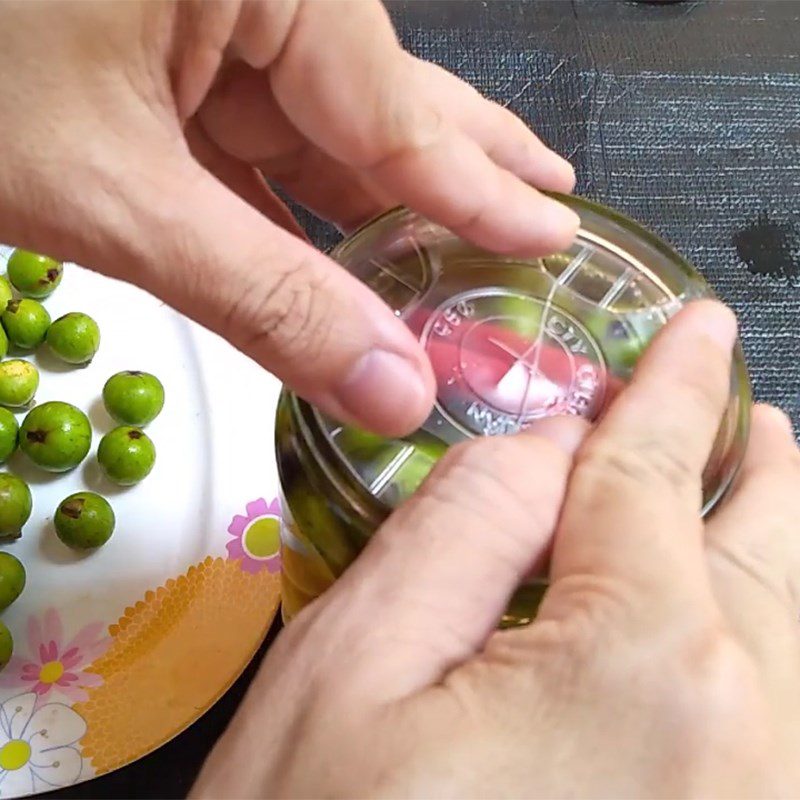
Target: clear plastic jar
[{"x": 511, "y": 340}]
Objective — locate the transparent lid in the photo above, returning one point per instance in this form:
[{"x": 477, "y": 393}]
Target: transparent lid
[{"x": 514, "y": 340}]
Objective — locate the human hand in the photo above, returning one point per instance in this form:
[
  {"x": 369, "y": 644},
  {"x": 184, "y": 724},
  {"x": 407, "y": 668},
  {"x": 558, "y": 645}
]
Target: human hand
[
  {"x": 664, "y": 661},
  {"x": 132, "y": 135}
]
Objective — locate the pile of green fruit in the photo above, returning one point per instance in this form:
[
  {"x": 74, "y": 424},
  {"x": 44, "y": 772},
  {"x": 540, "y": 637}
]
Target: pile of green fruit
[{"x": 57, "y": 436}]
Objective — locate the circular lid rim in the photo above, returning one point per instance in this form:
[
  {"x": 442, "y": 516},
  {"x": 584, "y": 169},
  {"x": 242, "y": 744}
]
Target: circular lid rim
[{"x": 376, "y": 508}]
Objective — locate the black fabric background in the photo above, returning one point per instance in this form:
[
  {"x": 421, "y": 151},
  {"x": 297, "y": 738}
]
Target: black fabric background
[{"x": 685, "y": 116}]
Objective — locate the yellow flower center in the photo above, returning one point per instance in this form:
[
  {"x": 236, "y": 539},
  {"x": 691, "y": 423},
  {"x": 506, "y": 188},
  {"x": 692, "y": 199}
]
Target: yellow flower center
[
  {"x": 51, "y": 672},
  {"x": 262, "y": 538},
  {"x": 14, "y": 755}
]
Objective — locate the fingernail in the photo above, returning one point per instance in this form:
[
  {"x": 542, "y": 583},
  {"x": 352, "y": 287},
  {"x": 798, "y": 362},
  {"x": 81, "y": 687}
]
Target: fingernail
[
  {"x": 385, "y": 391},
  {"x": 566, "y": 432}
]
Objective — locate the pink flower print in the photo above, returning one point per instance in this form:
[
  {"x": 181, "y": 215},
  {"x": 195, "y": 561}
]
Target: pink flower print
[
  {"x": 257, "y": 537},
  {"x": 53, "y": 666}
]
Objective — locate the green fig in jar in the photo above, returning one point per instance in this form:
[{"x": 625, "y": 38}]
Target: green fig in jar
[
  {"x": 393, "y": 468},
  {"x": 511, "y": 341},
  {"x": 620, "y": 345}
]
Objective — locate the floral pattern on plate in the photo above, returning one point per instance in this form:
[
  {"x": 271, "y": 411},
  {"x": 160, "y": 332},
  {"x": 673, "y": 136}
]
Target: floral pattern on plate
[
  {"x": 53, "y": 667},
  {"x": 39, "y": 745},
  {"x": 256, "y": 541}
]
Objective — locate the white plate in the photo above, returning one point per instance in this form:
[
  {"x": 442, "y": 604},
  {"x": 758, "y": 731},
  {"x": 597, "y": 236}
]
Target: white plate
[{"x": 163, "y": 618}]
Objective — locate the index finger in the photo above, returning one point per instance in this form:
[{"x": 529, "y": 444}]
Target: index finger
[
  {"x": 632, "y": 516},
  {"x": 359, "y": 100}
]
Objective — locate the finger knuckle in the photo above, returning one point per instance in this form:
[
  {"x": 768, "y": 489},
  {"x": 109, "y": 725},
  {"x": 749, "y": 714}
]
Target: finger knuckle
[
  {"x": 709, "y": 658},
  {"x": 712, "y": 676},
  {"x": 645, "y": 464},
  {"x": 706, "y": 692},
  {"x": 516, "y": 139},
  {"x": 509, "y": 470},
  {"x": 404, "y": 130},
  {"x": 587, "y": 607},
  {"x": 472, "y": 472},
  {"x": 484, "y": 485},
  {"x": 286, "y": 320},
  {"x": 705, "y": 672}
]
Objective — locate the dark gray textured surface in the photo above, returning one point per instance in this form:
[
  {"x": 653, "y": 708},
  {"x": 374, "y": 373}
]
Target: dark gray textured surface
[{"x": 685, "y": 116}]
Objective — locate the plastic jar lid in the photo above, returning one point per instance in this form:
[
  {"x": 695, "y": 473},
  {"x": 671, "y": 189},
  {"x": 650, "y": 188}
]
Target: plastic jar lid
[{"x": 514, "y": 340}]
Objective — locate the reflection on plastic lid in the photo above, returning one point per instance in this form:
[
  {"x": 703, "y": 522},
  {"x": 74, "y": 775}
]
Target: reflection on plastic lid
[{"x": 512, "y": 340}]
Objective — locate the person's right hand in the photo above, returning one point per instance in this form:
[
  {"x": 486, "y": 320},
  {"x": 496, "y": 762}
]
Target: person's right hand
[
  {"x": 665, "y": 659},
  {"x": 132, "y": 136}
]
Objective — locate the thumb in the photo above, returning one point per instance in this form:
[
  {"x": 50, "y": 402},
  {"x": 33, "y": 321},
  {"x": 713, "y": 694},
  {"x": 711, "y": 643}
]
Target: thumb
[
  {"x": 439, "y": 573},
  {"x": 206, "y": 252}
]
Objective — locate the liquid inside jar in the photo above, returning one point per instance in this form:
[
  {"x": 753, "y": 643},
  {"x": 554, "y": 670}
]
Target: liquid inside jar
[{"x": 512, "y": 341}]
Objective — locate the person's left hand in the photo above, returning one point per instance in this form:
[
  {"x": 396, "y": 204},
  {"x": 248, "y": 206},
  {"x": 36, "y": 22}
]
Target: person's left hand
[{"x": 134, "y": 137}]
